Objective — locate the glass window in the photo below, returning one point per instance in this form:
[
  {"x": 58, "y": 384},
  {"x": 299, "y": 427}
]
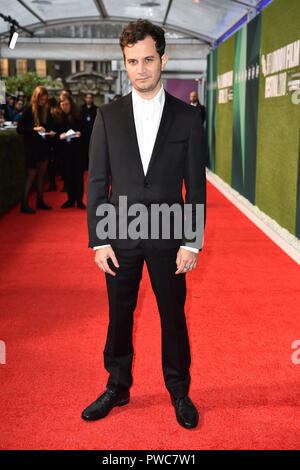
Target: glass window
[
  {"x": 41, "y": 67},
  {"x": 21, "y": 66},
  {"x": 4, "y": 66}
]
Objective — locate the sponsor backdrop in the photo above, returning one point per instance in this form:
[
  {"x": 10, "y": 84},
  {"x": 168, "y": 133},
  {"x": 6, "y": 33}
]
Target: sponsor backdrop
[
  {"x": 211, "y": 101},
  {"x": 224, "y": 113},
  {"x": 253, "y": 108}
]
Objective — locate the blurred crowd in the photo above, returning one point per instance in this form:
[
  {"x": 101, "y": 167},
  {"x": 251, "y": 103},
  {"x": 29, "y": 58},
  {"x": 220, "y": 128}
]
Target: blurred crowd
[
  {"x": 13, "y": 108},
  {"x": 56, "y": 136}
]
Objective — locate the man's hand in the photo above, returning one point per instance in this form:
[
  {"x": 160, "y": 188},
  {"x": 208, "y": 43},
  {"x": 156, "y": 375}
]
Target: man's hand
[
  {"x": 101, "y": 257},
  {"x": 186, "y": 258}
]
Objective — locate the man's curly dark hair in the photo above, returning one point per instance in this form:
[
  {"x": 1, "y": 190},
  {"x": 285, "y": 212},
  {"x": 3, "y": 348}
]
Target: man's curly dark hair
[{"x": 137, "y": 31}]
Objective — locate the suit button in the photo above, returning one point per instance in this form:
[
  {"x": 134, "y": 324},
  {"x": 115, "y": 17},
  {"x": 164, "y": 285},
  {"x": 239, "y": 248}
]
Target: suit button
[{"x": 147, "y": 184}]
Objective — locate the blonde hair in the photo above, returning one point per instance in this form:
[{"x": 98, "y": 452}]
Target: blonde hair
[{"x": 39, "y": 115}]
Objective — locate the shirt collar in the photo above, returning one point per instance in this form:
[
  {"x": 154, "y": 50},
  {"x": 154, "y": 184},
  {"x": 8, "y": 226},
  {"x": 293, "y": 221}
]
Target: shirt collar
[{"x": 138, "y": 100}]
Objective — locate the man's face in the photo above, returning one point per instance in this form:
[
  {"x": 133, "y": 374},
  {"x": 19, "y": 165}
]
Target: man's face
[
  {"x": 144, "y": 65},
  {"x": 193, "y": 97},
  {"x": 89, "y": 99}
]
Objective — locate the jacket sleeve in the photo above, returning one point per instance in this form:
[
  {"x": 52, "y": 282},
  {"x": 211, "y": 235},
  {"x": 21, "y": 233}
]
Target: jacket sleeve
[
  {"x": 195, "y": 185},
  {"x": 98, "y": 178},
  {"x": 78, "y": 125},
  {"x": 25, "y": 123}
]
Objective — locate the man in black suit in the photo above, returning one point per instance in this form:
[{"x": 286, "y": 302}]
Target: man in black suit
[
  {"x": 194, "y": 101},
  {"x": 88, "y": 111},
  {"x": 144, "y": 146}
]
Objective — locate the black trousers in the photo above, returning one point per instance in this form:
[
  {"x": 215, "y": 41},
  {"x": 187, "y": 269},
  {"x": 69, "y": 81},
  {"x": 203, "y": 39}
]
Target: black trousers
[
  {"x": 170, "y": 292},
  {"x": 74, "y": 176}
]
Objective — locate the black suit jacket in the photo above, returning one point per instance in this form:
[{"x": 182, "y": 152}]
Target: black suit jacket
[
  {"x": 178, "y": 155},
  {"x": 203, "y": 111},
  {"x": 88, "y": 118}
]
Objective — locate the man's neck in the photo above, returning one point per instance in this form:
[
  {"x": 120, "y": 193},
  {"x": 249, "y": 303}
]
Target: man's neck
[{"x": 149, "y": 95}]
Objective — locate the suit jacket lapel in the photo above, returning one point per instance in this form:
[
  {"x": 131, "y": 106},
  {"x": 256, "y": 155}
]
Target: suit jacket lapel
[
  {"x": 132, "y": 147},
  {"x": 164, "y": 126}
]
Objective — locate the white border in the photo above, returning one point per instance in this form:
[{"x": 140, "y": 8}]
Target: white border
[{"x": 279, "y": 235}]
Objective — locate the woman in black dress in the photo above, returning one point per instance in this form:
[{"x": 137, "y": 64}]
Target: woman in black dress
[
  {"x": 52, "y": 165},
  {"x": 67, "y": 117},
  {"x": 36, "y": 119}
]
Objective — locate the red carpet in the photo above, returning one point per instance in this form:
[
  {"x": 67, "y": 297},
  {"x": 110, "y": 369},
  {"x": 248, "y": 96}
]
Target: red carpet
[{"x": 242, "y": 313}]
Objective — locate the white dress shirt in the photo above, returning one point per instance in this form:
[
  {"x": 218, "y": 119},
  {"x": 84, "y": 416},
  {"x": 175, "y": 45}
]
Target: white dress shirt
[{"x": 147, "y": 116}]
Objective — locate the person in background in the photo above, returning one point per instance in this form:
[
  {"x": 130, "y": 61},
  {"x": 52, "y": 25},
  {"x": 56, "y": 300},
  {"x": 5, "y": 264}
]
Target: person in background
[
  {"x": 194, "y": 101},
  {"x": 61, "y": 158},
  {"x": 20, "y": 94},
  {"x": 66, "y": 117},
  {"x": 17, "y": 112},
  {"x": 54, "y": 151},
  {"x": 116, "y": 97},
  {"x": 34, "y": 121},
  {"x": 88, "y": 111},
  {"x": 2, "y": 113},
  {"x": 9, "y": 108}
]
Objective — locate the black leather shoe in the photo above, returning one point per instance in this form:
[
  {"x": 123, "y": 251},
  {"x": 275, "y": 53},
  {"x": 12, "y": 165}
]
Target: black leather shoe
[
  {"x": 80, "y": 205},
  {"x": 186, "y": 412},
  {"x": 40, "y": 204},
  {"x": 26, "y": 209},
  {"x": 106, "y": 402},
  {"x": 68, "y": 204}
]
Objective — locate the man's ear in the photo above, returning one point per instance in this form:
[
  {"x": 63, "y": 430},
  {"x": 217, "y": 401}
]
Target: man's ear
[{"x": 164, "y": 60}]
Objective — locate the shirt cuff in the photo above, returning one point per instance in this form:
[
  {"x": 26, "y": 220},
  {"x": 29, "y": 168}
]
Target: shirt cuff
[{"x": 195, "y": 250}]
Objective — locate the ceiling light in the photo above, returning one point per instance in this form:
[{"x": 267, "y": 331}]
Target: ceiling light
[{"x": 12, "y": 38}]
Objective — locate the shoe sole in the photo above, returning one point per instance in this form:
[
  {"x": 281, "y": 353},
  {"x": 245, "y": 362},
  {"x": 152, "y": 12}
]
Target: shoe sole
[
  {"x": 187, "y": 426},
  {"x": 122, "y": 403}
]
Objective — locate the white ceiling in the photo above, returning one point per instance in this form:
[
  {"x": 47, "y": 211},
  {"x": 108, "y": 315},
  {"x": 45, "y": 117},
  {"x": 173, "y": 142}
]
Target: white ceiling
[{"x": 206, "y": 20}]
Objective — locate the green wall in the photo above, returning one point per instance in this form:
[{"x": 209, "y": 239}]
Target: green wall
[
  {"x": 278, "y": 124},
  {"x": 257, "y": 137},
  {"x": 224, "y": 115}
]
